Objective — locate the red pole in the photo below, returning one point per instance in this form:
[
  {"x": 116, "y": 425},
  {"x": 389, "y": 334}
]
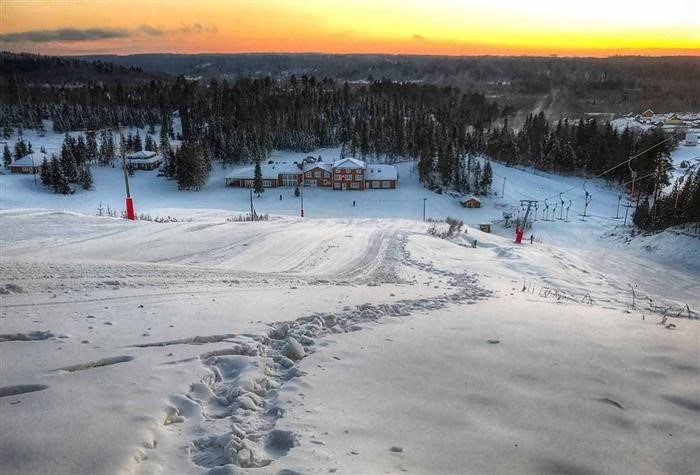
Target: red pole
[{"x": 130, "y": 209}]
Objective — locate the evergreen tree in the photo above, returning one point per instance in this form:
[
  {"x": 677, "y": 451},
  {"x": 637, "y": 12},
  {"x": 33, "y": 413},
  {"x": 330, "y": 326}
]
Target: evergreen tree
[
  {"x": 92, "y": 153},
  {"x": 486, "y": 178},
  {"x": 257, "y": 180},
  {"x": 59, "y": 182},
  {"x": 69, "y": 166},
  {"x": 6, "y": 156},
  {"x": 136, "y": 144},
  {"x": 86, "y": 178},
  {"x": 45, "y": 173}
]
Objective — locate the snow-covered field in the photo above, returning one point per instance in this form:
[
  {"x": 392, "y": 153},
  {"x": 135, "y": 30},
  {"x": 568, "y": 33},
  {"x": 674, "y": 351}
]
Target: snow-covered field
[{"x": 350, "y": 341}]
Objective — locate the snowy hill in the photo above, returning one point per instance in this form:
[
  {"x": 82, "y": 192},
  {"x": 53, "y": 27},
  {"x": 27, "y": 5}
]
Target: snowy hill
[{"x": 349, "y": 341}]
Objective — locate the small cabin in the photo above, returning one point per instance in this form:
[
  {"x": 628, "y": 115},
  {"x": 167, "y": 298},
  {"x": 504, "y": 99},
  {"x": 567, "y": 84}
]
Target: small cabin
[
  {"x": 691, "y": 140},
  {"x": 486, "y": 227},
  {"x": 144, "y": 160},
  {"x": 471, "y": 202},
  {"x": 29, "y": 163}
]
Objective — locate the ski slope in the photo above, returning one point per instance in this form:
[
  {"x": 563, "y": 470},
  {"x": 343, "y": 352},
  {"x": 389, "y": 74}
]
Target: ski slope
[
  {"x": 176, "y": 339},
  {"x": 349, "y": 341}
]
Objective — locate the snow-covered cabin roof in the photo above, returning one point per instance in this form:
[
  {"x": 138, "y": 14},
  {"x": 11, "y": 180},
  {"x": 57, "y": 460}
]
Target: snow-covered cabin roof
[
  {"x": 141, "y": 154},
  {"x": 349, "y": 163},
  {"x": 381, "y": 172},
  {"x": 144, "y": 158},
  {"x": 270, "y": 171},
  {"x": 323, "y": 166},
  {"x": 470, "y": 198},
  {"x": 26, "y": 161}
]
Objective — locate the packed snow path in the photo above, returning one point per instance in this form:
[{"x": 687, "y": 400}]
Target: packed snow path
[{"x": 193, "y": 347}]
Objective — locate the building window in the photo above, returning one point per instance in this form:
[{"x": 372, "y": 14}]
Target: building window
[
  {"x": 386, "y": 184},
  {"x": 326, "y": 175},
  {"x": 358, "y": 177},
  {"x": 308, "y": 174},
  {"x": 355, "y": 186},
  {"x": 376, "y": 184},
  {"x": 317, "y": 174},
  {"x": 336, "y": 186},
  {"x": 337, "y": 177}
]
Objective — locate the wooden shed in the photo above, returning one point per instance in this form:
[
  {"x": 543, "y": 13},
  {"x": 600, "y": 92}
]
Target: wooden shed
[{"x": 471, "y": 202}]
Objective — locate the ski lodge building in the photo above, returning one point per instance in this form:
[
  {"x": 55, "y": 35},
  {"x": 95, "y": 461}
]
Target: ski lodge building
[{"x": 343, "y": 174}]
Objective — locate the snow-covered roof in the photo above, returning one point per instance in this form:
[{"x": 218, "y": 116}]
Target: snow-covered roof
[
  {"x": 323, "y": 166},
  {"x": 26, "y": 161},
  {"x": 381, "y": 172},
  {"x": 270, "y": 171},
  {"x": 349, "y": 163},
  {"x": 143, "y": 156}
]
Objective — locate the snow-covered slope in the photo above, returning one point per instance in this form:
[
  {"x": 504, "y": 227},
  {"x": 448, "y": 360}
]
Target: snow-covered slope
[
  {"x": 350, "y": 341},
  {"x": 182, "y": 348}
]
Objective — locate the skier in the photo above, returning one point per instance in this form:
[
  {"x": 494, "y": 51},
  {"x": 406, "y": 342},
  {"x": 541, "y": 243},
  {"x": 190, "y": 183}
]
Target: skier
[
  {"x": 353, "y": 203},
  {"x": 532, "y": 238},
  {"x": 280, "y": 197}
]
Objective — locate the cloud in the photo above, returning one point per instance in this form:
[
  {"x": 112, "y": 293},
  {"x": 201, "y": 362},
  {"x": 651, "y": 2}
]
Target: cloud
[
  {"x": 418, "y": 37},
  {"x": 94, "y": 34},
  {"x": 149, "y": 30},
  {"x": 197, "y": 28},
  {"x": 64, "y": 34}
]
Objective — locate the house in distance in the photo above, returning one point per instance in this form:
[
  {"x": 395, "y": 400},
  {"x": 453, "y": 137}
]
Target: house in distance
[
  {"x": 471, "y": 202},
  {"x": 343, "y": 175},
  {"x": 29, "y": 163},
  {"x": 144, "y": 160}
]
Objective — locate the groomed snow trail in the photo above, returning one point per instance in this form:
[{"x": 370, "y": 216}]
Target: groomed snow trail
[{"x": 185, "y": 360}]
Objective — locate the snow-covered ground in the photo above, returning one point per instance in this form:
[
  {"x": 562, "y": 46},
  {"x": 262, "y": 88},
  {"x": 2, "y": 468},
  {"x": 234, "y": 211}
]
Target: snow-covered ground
[{"x": 350, "y": 341}]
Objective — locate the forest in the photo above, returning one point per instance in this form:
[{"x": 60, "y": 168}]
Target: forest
[{"x": 241, "y": 121}]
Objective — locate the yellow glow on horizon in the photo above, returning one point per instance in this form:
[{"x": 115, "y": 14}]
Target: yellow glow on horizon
[{"x": 535, "y": 27}]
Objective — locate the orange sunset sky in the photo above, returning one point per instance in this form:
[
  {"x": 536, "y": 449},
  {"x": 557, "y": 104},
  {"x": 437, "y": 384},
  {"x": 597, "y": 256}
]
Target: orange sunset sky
[{"x": 493, "y": 27}]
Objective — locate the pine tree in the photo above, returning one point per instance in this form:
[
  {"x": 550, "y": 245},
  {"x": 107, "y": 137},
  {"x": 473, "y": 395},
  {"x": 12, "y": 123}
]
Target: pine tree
[
  {"x": 59, "y": 182},
  {"x": 92, "y": 154},
  {"x": 86, "y": 178},
  {"x": 45, "y": 173},
  {"x": 486, "y": 178},
  {"x": 136, "y": 145},
  {"x": 69, "y": 165},
  {"x": 257, "y": 180},
  {"x": 6, "y": 156}
]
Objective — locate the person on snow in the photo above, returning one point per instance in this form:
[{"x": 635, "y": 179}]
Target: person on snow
[
  {"x": 353, "y": 203},
  {"x": 532, "y": 238}
]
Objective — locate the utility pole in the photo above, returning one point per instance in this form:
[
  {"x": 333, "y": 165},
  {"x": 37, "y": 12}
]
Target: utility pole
[
  {"x": 424, "y": 200},
  {"x": 251, "y": 204},
  {"x": 129, "y": 202},
  {"x": 503, "y": 192},
  {"x": 619, "y": 198},
  {"x": 302, "y": 196},
  {"x": 33, "y": 168},
  {"x": 546, "y": 210},
  {"x": 567, "y": 211}
]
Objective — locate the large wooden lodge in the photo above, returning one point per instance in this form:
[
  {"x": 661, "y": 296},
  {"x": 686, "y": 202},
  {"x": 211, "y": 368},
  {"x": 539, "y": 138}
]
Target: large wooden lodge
[{"x": 343, "y": 174}]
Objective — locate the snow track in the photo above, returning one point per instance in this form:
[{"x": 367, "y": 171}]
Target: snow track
[{"x": 191, "y": 345}]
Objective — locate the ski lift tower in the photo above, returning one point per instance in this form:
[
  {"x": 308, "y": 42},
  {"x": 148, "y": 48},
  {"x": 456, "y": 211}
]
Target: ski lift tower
[
  {"x": 520, "y": 230},
  {"x": 130, "y": 214}
]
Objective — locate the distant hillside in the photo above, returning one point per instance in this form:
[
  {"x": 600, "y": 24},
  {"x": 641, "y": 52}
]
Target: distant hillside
[
  {"x": 560, "y": 86},
  {"x": 53, "y": 70}
]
